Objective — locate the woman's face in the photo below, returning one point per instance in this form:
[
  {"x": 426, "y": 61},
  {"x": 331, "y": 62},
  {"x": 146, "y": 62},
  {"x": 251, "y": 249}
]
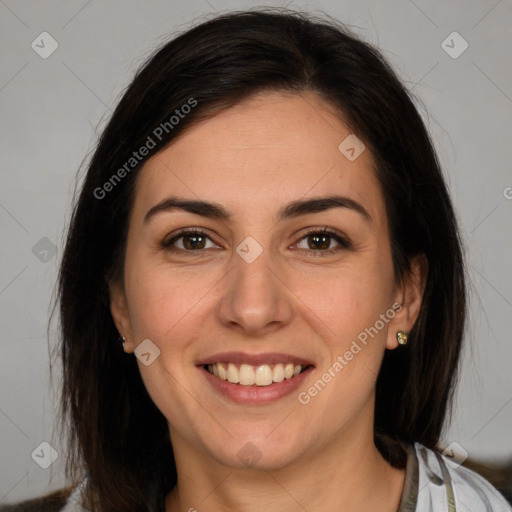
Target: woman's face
[{"x": 261, "y": 287}]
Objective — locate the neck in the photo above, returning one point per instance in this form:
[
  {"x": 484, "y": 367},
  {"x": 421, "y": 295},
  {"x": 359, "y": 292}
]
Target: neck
[{"x": 349, "y": 474}]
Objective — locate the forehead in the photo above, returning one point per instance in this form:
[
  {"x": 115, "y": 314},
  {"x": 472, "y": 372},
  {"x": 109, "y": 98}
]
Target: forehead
[{"x": 261, "y": 153}]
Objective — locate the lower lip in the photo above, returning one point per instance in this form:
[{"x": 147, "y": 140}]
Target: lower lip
[{"x": 255, "y": 394}]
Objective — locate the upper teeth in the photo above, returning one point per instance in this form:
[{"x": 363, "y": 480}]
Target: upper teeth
[{"x": 248, "y": 375}]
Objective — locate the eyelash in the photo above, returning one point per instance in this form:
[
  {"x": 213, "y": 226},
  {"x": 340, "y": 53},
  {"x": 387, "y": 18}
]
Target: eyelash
[{"x": 344, "y": 243}]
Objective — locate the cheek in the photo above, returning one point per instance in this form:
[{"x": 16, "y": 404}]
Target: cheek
[
  {"x": 351, "y": 303},
  {"x": 165, "y": 307},
  {"x": 347, "y": 299},
  {"x": 163, "y": 300},
  {"x": 350, "y": 298}
]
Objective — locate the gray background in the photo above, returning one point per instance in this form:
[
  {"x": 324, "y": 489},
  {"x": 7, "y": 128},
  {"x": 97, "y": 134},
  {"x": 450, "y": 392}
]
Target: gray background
[{"x": 53, "y": 110}]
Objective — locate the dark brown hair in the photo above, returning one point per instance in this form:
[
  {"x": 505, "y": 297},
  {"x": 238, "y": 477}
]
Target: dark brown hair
[{"x": 119, "y": 440}]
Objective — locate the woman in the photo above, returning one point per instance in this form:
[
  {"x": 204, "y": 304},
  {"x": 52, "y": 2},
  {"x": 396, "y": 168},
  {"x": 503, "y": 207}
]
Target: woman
[{"x": 265, "y": 226}]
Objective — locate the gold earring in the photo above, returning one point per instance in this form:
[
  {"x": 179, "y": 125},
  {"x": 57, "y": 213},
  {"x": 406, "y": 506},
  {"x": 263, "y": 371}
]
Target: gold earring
[
  {"x": 122, "y": 340},
  {"x": 401, "y": 336}
]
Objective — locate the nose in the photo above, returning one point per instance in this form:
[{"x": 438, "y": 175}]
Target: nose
[{"x": 256, "y": 300}]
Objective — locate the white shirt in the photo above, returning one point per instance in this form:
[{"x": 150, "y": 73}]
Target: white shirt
[{"x": 433, "y": 483}]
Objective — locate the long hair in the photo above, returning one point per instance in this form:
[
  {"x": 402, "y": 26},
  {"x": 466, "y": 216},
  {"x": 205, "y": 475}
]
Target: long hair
[{"x": 118, "y": 438}]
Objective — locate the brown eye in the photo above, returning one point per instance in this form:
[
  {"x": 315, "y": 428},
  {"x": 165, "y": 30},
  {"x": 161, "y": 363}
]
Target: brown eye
[
  {"x": 189, "y": 241},
  {"x": 194, "y": 242},
  {"x": 319, "y": 241},
  {"x": 323, "y": 241}
]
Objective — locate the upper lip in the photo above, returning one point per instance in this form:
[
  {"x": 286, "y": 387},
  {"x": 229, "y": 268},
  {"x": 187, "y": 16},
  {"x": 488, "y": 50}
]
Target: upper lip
[{"x": 253, "y": 359}]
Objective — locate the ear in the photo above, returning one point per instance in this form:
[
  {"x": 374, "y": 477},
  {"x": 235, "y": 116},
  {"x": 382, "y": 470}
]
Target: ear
[
  {"x": 119, "y": 311},
  {"x": 410, "y": 296}
]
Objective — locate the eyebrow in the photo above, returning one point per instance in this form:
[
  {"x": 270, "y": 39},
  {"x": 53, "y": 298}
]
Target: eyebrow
[{"x": 291, "y": 210}]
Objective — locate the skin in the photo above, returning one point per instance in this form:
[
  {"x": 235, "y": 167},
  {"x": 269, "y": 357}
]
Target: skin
[{"x": 253, "y": 159}]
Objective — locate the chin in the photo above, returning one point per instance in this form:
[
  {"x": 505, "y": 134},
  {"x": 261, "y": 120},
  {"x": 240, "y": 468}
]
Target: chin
[{"x": 257, "y": 452}]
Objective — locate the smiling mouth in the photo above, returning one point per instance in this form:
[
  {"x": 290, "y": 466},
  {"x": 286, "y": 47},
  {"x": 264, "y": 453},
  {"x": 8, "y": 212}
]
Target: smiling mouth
[{"x": 259, "y": 375}]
